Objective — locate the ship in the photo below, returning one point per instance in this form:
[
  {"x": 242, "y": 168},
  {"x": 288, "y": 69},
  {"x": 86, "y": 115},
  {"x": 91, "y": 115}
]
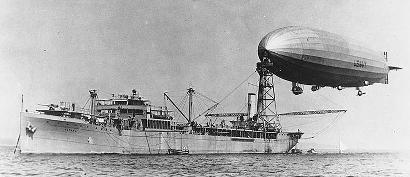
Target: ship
[{"x": 130, "y": 124}]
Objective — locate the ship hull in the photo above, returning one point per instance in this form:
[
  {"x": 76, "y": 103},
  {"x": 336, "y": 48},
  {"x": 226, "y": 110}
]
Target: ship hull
[{"x": 53, "y": 134}]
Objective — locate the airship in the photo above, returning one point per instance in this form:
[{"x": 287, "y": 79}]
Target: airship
[{"x": 307, "y": 56}]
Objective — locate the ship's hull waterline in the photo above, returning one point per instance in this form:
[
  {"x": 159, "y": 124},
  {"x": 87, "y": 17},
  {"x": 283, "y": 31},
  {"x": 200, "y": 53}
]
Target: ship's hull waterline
[{"x": 54, "y": 134}]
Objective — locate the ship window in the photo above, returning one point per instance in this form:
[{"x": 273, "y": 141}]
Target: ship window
[
  {"x": 134, "y": 102},
  {"x": 139, "y": 112},
  {"x": 144, "y": 123},
  {"x": 120, "y": 102},
  {"x": 150, "y": 124},
  {"x": 271, "y": 136}
]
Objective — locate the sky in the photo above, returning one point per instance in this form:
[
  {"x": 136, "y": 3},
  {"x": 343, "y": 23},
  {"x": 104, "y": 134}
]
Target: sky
[{"x": 53, "y": 51}]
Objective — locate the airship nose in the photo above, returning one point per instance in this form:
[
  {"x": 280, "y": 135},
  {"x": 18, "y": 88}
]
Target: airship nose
[
  {"x": 271, "y": 43},
  {"x": 262, "y": 51},
  {"x": 283, "y": 41}
]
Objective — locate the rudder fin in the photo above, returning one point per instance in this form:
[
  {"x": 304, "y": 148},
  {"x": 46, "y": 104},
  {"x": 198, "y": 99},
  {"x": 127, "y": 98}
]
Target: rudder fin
[{"x": 394, "y": 68}]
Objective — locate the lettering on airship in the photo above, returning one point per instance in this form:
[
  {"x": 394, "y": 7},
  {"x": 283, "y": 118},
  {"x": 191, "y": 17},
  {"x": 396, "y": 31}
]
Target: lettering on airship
[{"x": 360, "y": 64}]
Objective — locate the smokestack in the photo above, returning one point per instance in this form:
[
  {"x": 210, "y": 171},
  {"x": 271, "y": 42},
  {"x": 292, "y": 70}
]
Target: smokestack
[{"x": 251, "y": 105}]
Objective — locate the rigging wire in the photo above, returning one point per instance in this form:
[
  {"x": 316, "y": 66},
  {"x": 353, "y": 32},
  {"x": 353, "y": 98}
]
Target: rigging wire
[
  {"x": 181, "y": 104},
  {"x": 184, "y": 103},
  {"x": 213, "y": 107},
  {"x": 201, "y": 103},
  {"x": 205, "y": 102},
  {"x": 200, "y": 100},
  {"x": 274, "y": 95},
  {"x": 325, "y": 128},
  {"x": 244, "y": 106},
  {"x": 334, "y": 103},
  {"x": 177, "y": 91},
  {"x": 205, "y": 97},
  {"x": 226, "y": 96},
  {"x": 310, "y": 122},
  {"x": 200, "y": 106},
  {"x": 183, "y": 100},
  {"x": 86, "y": 103}
]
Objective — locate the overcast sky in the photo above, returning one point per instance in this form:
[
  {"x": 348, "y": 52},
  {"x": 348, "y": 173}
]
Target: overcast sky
[{"x": 58, "y": 50}]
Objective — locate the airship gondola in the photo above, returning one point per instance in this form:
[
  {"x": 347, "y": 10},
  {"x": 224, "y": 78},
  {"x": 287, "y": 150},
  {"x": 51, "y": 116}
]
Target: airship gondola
[{"x": 314, "y": 57}]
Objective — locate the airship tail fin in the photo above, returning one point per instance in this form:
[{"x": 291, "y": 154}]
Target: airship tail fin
[
  {"x": 394, "y": 68},
  {"x": 386, "y": 79}
]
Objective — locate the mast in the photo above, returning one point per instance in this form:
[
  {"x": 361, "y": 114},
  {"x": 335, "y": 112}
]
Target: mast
[
  {"x": 93, "y": 96},
  {"x": 165, "y": 105},
  {"x": 21, "y": 109},
  {"x": 190, "y": 107}
]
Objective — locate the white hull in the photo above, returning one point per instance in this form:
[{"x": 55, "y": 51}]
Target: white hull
[{"x": 54, "y": 134}]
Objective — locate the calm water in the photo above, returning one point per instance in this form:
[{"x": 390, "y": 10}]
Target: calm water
[{"x": 358, "y": 164}]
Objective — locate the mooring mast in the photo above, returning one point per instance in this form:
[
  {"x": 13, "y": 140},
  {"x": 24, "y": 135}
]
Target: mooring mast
[{"x": 266, "y": 96}]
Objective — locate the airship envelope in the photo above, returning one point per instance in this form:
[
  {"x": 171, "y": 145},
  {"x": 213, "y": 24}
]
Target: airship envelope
[{"x": 315, "y": 57}]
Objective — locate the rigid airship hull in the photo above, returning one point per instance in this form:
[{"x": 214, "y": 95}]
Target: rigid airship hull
[{"x": 315, "y": 57}]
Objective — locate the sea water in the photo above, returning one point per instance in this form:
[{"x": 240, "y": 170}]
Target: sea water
[{"x": 320, "y": 164}]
